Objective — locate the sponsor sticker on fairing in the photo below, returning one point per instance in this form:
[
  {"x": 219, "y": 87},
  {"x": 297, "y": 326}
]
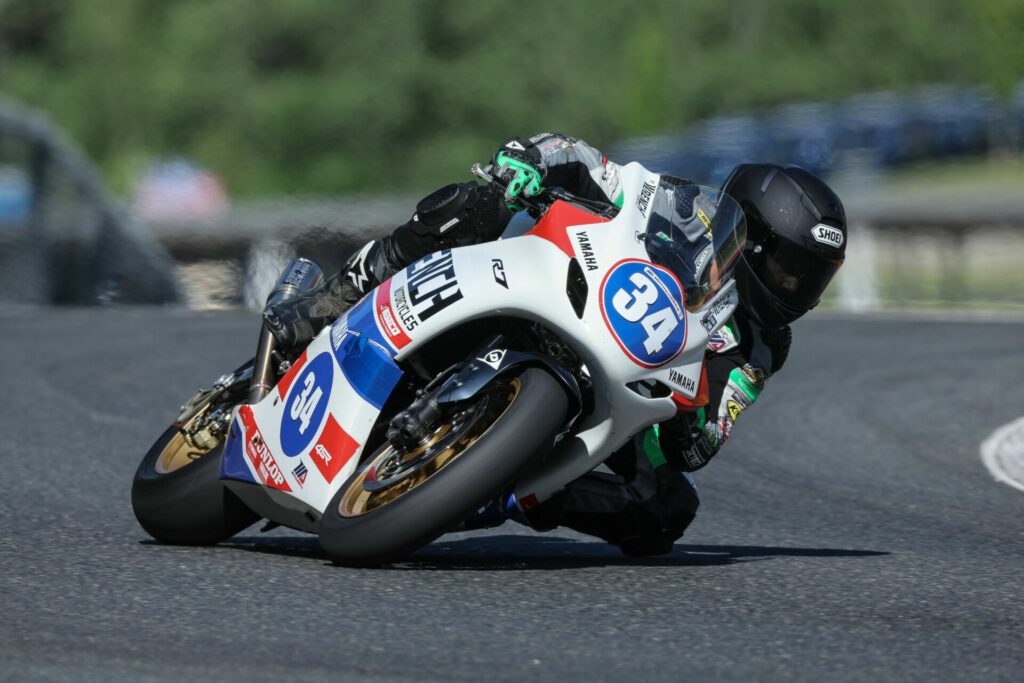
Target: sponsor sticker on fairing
[
  {"x": 494, "y": 358},
  {"x": 258, "y": 453},
  {"x": 306, "y": 404},
  {"x": 498, "y": 270},
  {"x": 332, "y": 450},
  {"x": 586, "y": 250},
  {"x": 300, "y": 472},
  {"x": 432, "y": 284},
  {"x": 687, "y": 384},
  {"x": 723, "y": 340},
  {"x": 642, "y": 306},
  {"x": 386, "y": 318},
  {"x": 643, "y": 200}
]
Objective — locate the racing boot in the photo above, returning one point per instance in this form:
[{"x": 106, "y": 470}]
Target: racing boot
[
  {"x": 503, "y": 508},
  {"x": 296, "y": 321}
]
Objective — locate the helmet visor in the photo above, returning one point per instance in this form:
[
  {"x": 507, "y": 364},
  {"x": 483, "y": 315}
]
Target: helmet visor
[{"x": 796, "y": 276}]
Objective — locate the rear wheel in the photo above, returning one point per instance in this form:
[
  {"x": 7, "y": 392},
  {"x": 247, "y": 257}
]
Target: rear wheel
[
  {"x": 177, "y": 494},
  {"x": 399, "y": 501}
]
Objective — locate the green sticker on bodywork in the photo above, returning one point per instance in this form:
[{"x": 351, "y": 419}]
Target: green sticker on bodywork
[{"x": 652, "y": 447}]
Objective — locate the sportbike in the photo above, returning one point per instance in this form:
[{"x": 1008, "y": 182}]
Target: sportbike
[{"x": 507, "y": 368}]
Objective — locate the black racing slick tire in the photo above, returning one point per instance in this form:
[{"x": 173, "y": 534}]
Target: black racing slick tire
[
  {"x": 398, "y": 502},
  {"x": 178, "y": 497}
]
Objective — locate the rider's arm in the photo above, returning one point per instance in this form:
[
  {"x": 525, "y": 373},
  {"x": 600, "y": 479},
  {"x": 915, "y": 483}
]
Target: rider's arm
[
  {"x": 467, "y": 213},
  {"x": 736, "y": 377},
  {"x": 570, "y": 163}
]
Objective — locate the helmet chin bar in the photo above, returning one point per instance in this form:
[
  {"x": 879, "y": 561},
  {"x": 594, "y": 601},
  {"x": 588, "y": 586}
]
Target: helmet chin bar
[{"x": 758, "y": 302}]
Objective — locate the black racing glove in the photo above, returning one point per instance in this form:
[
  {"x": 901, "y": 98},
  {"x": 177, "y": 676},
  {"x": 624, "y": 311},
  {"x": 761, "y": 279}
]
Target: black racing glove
[{"x": 686, "y": 446}]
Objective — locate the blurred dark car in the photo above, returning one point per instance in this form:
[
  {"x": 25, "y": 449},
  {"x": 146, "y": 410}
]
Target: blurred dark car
[{"x": 63, "y": 240}]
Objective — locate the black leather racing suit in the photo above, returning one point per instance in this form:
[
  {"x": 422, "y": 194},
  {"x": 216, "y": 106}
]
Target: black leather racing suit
[{"x": 648, "y": 498}]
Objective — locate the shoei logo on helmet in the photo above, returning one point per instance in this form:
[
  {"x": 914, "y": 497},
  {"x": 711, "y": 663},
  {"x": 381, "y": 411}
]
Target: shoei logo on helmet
[
  {"x": 642, "y": 306},
  {"x": 306, "y": 405},
  {"x": 826, "y": 234}
]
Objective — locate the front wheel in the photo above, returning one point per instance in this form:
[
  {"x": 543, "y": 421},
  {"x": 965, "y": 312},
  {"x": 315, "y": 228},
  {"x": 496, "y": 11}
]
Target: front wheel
[
  {"x": 177, "y": 494},
  {"x": 399, "y": 501}
]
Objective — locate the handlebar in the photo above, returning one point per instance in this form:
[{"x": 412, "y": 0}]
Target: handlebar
[{"x": 540, "y": 203}]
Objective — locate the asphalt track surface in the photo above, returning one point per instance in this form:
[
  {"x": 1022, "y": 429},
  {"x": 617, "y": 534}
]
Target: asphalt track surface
[{"x": 848, "y": 531}]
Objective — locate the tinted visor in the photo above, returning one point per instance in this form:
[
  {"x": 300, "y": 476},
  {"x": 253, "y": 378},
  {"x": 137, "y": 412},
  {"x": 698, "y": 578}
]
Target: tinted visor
[{"x": 794, "y": 275}]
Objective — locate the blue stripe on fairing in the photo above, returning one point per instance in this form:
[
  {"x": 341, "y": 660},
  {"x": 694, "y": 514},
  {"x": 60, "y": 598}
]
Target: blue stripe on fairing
[
  {"x": 360, "y": 320},
  {"x": 368, "y": 368},
  {"x": 232, "y": 463}
]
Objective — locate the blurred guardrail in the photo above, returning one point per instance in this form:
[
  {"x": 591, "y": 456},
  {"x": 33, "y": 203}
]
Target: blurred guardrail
[
  {"x": 962, "y": 249},
  {"x": 62, "y": 238},
  {"x": 904, "y": 250}
]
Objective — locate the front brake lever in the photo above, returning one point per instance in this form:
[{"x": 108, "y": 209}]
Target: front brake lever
[
  {"x": 533, "y": 203},
  {"x": 603, "y": 209}
]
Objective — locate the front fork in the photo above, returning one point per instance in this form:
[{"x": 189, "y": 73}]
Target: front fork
[
  {"x": 466, "y": 380},
  {"x": 301, "y": 275}
]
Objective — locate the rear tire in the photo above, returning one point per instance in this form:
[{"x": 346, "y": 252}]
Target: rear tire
[
  {"x": 178, "y": 497},
  {"x": 476, "y": 454}
]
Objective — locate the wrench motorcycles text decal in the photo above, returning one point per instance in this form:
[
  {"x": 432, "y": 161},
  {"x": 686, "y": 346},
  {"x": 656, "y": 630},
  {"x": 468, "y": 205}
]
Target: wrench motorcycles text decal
[{"x": 432, "y": 284}]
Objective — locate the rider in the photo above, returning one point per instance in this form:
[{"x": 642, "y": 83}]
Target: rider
[{"x": 796, "y": 241}]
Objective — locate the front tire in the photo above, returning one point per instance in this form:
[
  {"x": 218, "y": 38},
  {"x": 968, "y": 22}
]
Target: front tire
[
  {"x": 177, "y": 494},
  {"x": 399, "y": 502}
]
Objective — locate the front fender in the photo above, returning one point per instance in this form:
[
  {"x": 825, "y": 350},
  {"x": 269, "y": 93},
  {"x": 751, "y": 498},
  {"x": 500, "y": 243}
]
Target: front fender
[{"x": 482, "y": 369}]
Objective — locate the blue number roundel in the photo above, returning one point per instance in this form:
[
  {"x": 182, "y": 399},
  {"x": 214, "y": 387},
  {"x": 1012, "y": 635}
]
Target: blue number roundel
[
  {"x": 642, "y": 306},
  {"x": 306, "y": 404}
]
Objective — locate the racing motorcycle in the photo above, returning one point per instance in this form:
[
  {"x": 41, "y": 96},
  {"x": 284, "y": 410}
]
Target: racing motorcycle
[{"x": 508, "y": 368}]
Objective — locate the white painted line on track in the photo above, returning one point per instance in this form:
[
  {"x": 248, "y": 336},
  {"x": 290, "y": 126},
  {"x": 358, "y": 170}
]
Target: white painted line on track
[{"x": 1003, "y": 454}]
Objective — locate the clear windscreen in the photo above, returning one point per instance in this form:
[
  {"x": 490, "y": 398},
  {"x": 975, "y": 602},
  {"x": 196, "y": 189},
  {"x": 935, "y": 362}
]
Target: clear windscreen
[{"x": 696, "y": 232}]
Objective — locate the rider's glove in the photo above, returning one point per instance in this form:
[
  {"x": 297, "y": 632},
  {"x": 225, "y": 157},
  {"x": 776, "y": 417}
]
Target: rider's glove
[
  {"x": 684, "y": 445},
  {"x": 519, "y": 165},
  {"x": 689, "y": 445}
]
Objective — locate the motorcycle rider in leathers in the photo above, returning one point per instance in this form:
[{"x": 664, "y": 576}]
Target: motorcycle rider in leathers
[{"x": 796, "y": 241}]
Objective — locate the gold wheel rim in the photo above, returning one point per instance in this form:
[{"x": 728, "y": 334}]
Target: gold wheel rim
[
  {"x": 358, "y": 499},
  {"x": 178, "y": 452}
]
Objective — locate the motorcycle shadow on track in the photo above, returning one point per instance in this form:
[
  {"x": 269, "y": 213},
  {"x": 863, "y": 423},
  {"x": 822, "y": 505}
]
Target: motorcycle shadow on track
[{"x": 519, "y": 552}]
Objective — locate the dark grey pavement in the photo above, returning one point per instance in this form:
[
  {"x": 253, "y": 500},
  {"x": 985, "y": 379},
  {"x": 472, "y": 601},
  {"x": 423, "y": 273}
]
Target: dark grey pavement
[{"x": 848, "y": 532}]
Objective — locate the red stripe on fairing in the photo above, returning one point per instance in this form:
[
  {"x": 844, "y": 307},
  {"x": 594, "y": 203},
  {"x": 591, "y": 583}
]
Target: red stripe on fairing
[
  {"x": 554, "y": 225},
  {"x": 289, "y": 377},
  {"x": 334, "y": 448},
  {"x": 258, "y": 453},
  {"x": 386, "y": 319}
]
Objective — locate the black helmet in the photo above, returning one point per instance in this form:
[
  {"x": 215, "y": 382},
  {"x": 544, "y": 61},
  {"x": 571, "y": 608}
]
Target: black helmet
[{"x": 796, "y": 240}]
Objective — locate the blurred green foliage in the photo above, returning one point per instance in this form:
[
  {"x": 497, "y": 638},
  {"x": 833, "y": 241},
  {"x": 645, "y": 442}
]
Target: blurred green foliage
[{"x": 332, "y": 96}]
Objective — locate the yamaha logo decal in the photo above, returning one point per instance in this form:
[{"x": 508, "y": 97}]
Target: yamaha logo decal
[{"x": 642, "y": 305}]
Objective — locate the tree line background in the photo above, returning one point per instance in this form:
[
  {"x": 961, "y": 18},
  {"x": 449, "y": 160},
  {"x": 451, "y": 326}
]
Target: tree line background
[{"x": 337, "y": 96}]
